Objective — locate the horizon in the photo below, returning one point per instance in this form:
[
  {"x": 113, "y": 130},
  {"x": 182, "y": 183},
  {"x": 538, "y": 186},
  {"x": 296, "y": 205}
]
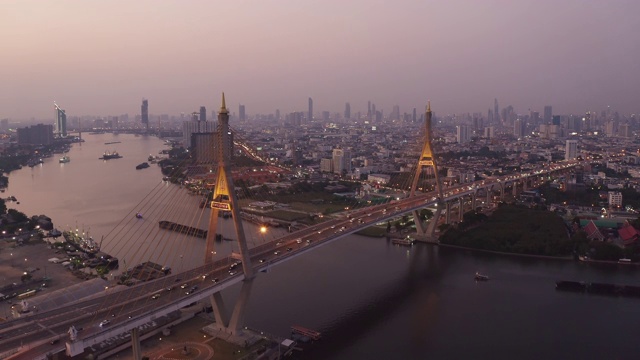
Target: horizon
[{"x": 103, "y": 58}]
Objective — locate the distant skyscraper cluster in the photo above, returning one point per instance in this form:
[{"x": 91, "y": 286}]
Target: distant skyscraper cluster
[{"x": 310, "y": 114}]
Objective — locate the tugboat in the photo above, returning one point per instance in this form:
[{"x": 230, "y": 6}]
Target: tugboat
[
  {"x": 144, "y": 165},
  {"x": 480, "y": 277},
  {"x": 65, "y": 159}
]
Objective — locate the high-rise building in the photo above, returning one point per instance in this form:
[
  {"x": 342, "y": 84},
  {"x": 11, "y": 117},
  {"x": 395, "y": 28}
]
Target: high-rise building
[
  {"x": 614, "y": 198},
  {"x": 325, "y": 116},
  {"x": 489, "y": 132},
  {"x": 341, "y": 161},
  {"x": 241, "y": 113},
  {"x": 61, "y": 121},
  {"x": 203, "y": 113},
  {"x": 534, "y": 118},
  {"x": 414, "y": 118},
  {"x": 144, "y": 113},
  {"x": 39, "y": 134},
  {"x": 4, "y": 125},
  {"x": 310, "y": 114},
  {"x": 547, "y": 114},
  {"x": 462, "y": 134},
  {"x": 519, "y": 128},
  {"x": 624, "y": 130},
  {"x": 347, "y": 111},
  {"x": 571, "y": 150},
  {"x": 496, "y": 111},
  {"x": 195, "y": 126}
]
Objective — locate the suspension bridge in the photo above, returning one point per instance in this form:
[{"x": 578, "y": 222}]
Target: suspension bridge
[{"x": 77, "y": 326}]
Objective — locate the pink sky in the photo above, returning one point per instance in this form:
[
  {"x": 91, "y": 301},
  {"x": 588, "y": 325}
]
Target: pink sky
[{"x": 103, "y": 57}]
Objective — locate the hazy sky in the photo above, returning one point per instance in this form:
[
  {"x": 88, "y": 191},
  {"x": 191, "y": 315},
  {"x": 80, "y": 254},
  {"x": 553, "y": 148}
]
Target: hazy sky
[{"x": 103, "y": 57}]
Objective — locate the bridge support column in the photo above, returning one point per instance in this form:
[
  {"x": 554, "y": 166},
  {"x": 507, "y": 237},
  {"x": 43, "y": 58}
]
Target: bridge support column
[
  {"x": 460, "y": 209},
  {"x": 431, "y": 228},
  {"x": 447, "y": 217},
  {"x": 234, "y": 325},
  {"x": 473, "y": 201},
  {"x": 489, "y": 196},
  {"x": 501, "y": 191},
  {"x": 514, "y": 192},
  {"x": 421, "y": 229},
  {"x": 135, "y": 344},
  {"x": 219, "y": 311}
]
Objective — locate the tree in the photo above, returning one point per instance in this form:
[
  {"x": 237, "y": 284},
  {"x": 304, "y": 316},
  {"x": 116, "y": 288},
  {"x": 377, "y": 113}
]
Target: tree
[{"x": 3, "y": 207}]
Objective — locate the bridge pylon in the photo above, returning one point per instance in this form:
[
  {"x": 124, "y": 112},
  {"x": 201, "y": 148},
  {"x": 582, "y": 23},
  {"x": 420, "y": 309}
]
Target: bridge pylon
[
  {"x": 224, "y": 195},
  {"x": 427, "y": 159},
  {"x": 225, "y": 199}
]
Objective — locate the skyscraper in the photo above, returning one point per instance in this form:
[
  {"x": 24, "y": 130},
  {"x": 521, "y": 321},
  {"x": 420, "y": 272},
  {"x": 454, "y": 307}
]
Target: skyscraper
[
  {"x": 347, "y": 111},
  {"x": 241, "y": 113},
  {"x": 547, "y": 114},
  {"x": 519, "y": 128},
  {"x": 310, "y": 115},
  {"x": 61, "y": 121},
  {"x": 203, "y": 113},
  {"x": 462, "y": 134},
  {"x": 341, "y": 161},
  {"x": 144, "y": 111},
  {"x": 571, "y": 150},
  {"x": 496, "y": 111}
]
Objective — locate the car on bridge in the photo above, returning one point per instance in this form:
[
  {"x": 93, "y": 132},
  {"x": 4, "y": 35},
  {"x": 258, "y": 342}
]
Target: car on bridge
[
  {"x": 156, "y": 296},
  {"x": 104, "y": 323}
]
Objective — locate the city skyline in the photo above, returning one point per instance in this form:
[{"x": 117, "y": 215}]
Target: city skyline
[{"x": 104, "y": 58}]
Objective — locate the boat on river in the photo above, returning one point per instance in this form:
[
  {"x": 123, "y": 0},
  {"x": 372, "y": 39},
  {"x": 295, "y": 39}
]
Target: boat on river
[
  {"x": 64, "y": 159},
  {"x": 144, "y": 165},
  {"x": 408, "y": 241},
  {"x": 188, "y": 230},
  {"x": 480, "y": 277},
  {"x": 108, "y": 155},
  {"x": 81, "y": 241}
]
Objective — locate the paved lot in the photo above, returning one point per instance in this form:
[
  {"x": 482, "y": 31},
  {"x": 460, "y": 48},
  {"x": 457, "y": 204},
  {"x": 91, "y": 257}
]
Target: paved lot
[{"x": 32, "y": 258}]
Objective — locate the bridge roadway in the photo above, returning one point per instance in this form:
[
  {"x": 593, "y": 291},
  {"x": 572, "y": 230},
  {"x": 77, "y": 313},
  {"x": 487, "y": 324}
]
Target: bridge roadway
[{"x": 134, "y": 306}]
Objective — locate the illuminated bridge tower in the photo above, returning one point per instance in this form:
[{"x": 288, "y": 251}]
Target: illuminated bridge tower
[
  {"x": 427, "y": 159},
  {"x": 225, "y": 199}
]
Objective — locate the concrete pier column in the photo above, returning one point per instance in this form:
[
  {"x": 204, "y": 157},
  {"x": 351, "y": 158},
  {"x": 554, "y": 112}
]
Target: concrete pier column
[
  {"x": 420, "y": 227},
  {"x": 447, "y": 217},
  {"x": 460, "y": 208},
  {"x": 237, "y": 317},
  {"x": 219, "y": 311},
  {"x": 473, "y": 201},
  {"x": 135, "y": 344}
]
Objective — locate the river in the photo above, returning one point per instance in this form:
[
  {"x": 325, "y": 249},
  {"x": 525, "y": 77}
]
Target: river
[{"x": 369, "y": 298}]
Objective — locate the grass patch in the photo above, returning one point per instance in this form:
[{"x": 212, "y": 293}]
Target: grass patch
[
  {"x": 517, "y": 230},
  {"x": 373, "y": 231},
  {"x": 286, "y": 215}
]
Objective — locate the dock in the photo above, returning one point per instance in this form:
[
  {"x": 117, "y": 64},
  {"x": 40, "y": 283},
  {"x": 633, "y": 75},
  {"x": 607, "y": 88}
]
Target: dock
[{"x": 311, "y": 334}]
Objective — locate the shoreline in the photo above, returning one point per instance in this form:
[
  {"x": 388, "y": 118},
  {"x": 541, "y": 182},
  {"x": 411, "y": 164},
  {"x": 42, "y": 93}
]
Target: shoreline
[{"x": 545, "y": 257}]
